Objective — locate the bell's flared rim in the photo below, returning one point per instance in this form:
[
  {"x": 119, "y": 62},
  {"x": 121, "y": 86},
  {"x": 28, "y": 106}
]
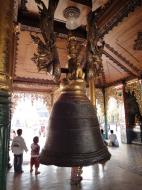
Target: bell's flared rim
[{"x": 75, "y": 160}]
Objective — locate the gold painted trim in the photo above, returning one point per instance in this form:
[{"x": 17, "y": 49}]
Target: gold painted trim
[
  {"x": 92, "y": 91},
  {"x": 6, "y": 39}
]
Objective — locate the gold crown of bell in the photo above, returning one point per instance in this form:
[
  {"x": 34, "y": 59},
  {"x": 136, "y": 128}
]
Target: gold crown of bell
[{"x": 74, "y": 137}]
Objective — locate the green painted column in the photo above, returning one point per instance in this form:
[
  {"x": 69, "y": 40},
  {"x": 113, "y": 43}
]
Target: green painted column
[
  {"x": 6, "y": 64},
  {"x": 105, "y": 113},
  {"x": 4, "y": 136}
]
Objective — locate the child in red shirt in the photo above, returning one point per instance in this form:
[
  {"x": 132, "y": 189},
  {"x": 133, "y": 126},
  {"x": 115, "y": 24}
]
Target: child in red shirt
[{"x": 35, "y": 149}]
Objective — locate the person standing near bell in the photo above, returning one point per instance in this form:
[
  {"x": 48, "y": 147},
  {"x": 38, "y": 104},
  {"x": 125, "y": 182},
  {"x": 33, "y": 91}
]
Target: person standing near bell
[{"x": 18, "y": 146}]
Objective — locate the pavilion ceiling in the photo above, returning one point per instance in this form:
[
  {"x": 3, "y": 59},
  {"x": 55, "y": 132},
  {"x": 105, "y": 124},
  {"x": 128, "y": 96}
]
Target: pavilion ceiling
[{"x": 119, "y": 24}]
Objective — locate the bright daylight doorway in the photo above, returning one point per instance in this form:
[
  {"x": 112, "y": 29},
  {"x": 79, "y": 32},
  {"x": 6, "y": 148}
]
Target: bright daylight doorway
[
  {"x": 30, "y": 114},
  {"x": 115, "y": 115}
]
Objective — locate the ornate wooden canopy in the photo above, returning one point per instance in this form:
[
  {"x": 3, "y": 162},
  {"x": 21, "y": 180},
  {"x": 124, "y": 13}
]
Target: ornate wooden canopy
[{"x": 119, "y": 24}]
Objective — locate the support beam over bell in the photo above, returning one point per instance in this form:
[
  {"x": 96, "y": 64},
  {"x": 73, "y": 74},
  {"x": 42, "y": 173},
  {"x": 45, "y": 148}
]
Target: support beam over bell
[{"x": 74, "y": 137}]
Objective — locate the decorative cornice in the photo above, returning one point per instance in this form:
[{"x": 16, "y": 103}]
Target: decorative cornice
[
  {"x": 29, "y": 28},
  {"x": 16, "y": 53},
  {"x": 118, "y": 64},
  {"x": 120, "y": 81},
  {"x": 119, "y": 16},
  {"x": 128, "y": 63},
  {"x": 29, "y": 89},
  {"x": 34, "y": 81},
  {"x": 33, "y": 86}
]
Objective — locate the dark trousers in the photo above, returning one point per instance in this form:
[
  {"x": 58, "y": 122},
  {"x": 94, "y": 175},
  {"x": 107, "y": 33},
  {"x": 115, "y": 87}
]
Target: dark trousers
[{"x": 18, "y": 160}]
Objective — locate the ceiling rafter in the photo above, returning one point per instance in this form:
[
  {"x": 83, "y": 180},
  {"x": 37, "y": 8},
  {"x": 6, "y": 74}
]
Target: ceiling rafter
[
  {"x": 127, "y": 62},
  {"x": 33, "y": 20},
  {"x": 118, "y": 63}
]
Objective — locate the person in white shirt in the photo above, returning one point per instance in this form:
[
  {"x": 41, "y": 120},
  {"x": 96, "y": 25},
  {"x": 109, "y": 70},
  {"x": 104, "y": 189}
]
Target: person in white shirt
[
  {"x": 113, "y": 139},
  {"x": 18, "y": 146}
]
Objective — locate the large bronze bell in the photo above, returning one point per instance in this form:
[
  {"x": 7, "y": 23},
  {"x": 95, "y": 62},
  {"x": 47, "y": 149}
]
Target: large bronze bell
[{"x": 74, "y": 137}]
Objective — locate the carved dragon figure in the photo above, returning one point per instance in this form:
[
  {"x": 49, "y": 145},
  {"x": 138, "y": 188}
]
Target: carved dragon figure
[
  {"x": 47, "y": 58},
  {"x": 94, "y": 49}
]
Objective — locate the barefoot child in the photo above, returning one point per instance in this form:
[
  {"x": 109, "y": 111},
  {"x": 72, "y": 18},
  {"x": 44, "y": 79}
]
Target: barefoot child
[{"x": 35, "y": 148}]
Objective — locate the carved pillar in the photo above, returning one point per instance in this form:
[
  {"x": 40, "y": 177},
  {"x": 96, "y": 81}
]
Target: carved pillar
[
  {"x": 6, "y": 39},
  {"x": 105, "y": 113},
  {"x": 125, "y": 105},
  {"x": 52, "y": 99},
  {"x": 124, "y": 129},
  {"x": 52, "y": 102},
  {"x": 129, "y": 125},
  {"x": 92, "y": 91}
]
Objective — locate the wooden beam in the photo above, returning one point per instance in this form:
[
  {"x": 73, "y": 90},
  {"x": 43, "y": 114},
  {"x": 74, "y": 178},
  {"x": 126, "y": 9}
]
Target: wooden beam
[
  {"x": 33, "y": 20},
  {"x": 84, "y": 2},
  {"x": 110, "y": 11}
]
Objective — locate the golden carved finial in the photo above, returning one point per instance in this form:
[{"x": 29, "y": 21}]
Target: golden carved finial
[{"x": 79, "y": 74}]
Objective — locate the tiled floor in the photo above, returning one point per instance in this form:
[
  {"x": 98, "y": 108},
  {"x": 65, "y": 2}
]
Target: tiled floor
[{"x": 122, "y": 172}]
